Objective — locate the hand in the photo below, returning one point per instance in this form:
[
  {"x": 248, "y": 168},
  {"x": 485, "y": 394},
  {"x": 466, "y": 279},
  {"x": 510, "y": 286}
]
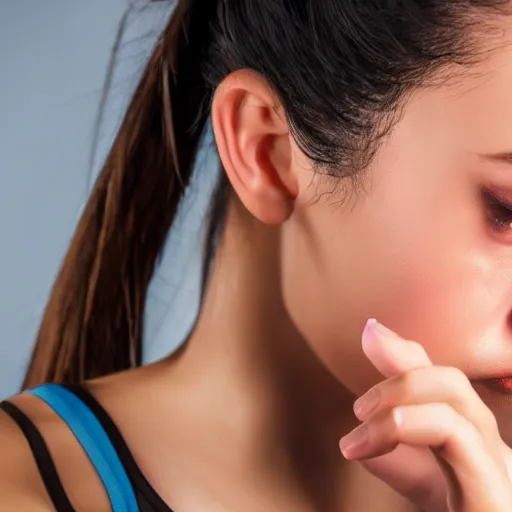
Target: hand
[{"x": 427, "y": 433}]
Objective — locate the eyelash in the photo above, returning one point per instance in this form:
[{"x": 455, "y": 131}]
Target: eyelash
[{"x": 499, "y": 213}]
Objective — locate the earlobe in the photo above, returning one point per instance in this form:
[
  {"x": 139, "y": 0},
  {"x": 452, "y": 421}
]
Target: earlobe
[{"x": 254, "y": 145}]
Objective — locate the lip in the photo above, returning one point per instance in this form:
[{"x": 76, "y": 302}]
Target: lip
[{"x": 502, "y": 385}]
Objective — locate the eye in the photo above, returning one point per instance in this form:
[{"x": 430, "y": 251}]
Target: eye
[{"x": 499, "y": 212}]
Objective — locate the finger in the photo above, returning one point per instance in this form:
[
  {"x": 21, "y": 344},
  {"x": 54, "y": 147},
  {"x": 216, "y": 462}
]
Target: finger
[
  {"x": 439, "y": 384},
  {"x": 507, "y": 455},
  {"x": 436, "y": 384},
  {"x": 390, "y": 353},
  {"x": 440, "y": 427}
]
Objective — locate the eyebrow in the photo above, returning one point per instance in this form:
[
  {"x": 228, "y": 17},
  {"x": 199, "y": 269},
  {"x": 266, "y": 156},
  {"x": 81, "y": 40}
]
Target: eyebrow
[{"x": 504, "y": 157}]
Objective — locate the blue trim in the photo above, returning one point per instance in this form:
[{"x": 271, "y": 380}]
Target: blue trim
[{"x": 95, "y": 442}]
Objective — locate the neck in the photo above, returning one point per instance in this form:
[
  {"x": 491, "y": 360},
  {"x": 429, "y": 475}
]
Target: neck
[
  {"x": 252, "y": 371},
  {"x": 247, "y": 380}
]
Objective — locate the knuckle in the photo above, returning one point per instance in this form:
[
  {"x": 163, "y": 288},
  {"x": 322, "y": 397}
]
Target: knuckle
[
  {"x": 456, "y": 431},
  {"x": 462, "y": 431},
  {"x": 448, "y": 418},
  {"x": 417, "y": 349},
  {"x": 466, "y": 398},
  {"x": 457, "y": 377},
  {"x": 410, "y": 382},
  {"x": 489, "y": 418},
  {"x": 456, "y": 428},
  {"x": 446, "y": 413},
  {"x": 459, "y": 384}
]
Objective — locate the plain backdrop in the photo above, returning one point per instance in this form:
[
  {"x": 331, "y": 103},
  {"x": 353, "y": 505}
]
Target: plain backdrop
[{"x": 67, "y": 70}]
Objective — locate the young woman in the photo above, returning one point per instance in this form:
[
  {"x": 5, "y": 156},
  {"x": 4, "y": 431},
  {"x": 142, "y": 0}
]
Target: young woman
[{"x": 366, "y": 149}]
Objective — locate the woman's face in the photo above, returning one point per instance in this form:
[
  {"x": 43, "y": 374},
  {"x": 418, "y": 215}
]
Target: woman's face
[{"x": 420, "y": 246}]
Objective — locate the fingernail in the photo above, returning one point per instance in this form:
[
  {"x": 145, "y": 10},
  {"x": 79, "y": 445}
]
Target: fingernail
[
  {"x": 384, "y": 331},
  {"x": 369, "y": 330},
  {"x": 370, "y": 324},
  {"x": 374, "y": 328},
  {"x": 352, "y": 445},
  {"x": 365, "y": 405}
]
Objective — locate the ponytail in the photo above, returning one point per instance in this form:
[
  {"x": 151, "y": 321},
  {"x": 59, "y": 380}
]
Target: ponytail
[{"x": 92, "y": 325}]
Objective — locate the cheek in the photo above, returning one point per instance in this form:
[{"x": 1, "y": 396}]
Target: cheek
[{"x": 427, "y": 282}]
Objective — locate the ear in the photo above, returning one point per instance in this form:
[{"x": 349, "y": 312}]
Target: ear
[{"x": 254, "y": 144}]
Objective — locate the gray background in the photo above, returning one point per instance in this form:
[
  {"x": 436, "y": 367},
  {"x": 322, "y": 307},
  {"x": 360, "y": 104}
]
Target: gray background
[{"x": 57, "y": 120}]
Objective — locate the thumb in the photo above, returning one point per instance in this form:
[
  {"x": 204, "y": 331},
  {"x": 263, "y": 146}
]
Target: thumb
[{"x": 389, "y": 353}]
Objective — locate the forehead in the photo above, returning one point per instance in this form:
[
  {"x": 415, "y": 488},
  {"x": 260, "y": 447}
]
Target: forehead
[{"x": 475, "y": 108}]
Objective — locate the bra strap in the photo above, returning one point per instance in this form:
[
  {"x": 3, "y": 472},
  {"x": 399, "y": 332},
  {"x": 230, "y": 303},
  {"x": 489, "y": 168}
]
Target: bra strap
[
  {"x": 92, "y": 437},
  {"x": 42, "y": 457}
]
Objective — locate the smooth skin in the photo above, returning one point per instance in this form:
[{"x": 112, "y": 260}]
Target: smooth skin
[{"x": 249, "y": 415}]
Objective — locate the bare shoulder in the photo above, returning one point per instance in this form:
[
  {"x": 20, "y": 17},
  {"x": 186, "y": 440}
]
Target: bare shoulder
[
  {"x": 20, "y": 485},
  {"x": 15, "y": 498}
]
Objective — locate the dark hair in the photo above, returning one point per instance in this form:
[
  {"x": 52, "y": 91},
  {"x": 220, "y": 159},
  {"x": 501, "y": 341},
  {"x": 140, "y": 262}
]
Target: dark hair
[{"x": 340, "y": 69}]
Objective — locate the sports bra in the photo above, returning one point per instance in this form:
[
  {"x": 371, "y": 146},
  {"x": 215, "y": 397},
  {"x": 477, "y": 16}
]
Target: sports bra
[{"x": 126, "y": 487}]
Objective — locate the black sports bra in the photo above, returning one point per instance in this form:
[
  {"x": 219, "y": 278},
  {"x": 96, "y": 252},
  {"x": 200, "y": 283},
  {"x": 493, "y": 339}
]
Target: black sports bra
[{"x": 127, "y": 488}]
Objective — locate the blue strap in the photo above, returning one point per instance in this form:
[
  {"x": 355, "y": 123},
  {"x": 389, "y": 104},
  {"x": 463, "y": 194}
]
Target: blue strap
[{"x": 95, "y": 442}]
